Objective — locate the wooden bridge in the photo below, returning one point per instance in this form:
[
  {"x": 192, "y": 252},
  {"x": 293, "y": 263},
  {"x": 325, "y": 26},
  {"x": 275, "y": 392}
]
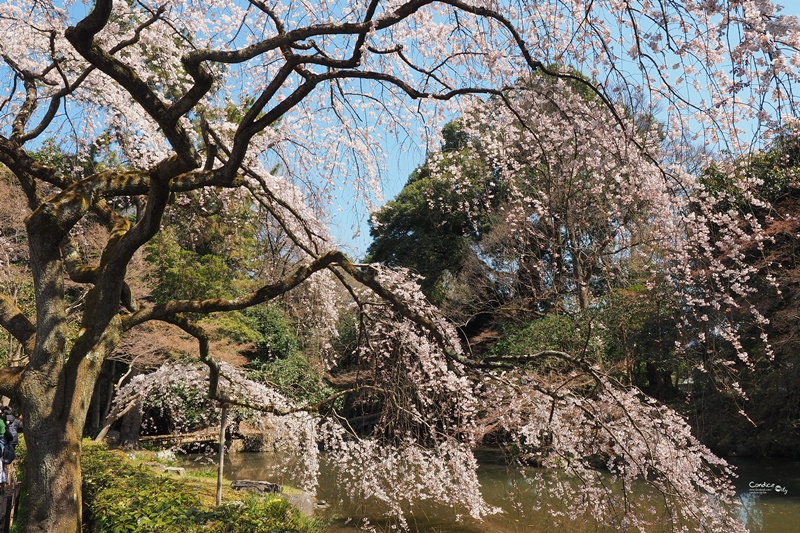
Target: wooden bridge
[{"x": 209, "y": 437}]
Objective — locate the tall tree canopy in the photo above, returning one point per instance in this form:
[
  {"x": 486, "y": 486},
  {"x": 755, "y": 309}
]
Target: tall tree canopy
[
  {"x": 518, "y": 217},
  {"x": 288, "y": 103},
  {"x": 425, "y": 228}
]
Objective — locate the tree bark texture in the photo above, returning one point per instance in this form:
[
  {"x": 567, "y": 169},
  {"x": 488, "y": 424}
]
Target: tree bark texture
[{"x": 53, "y": 477}]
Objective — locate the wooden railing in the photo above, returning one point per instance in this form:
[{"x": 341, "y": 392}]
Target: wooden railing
[{"x": 9, "y": 498}]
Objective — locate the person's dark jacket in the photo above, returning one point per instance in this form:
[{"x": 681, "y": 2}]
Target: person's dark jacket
[{"x": 13, "y": 428}]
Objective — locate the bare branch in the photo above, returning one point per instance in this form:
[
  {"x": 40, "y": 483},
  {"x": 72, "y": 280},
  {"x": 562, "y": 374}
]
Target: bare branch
[
  {"x": 312, "y": 408},
  {"x": 81, "y": 36},
  {"x": 16, "y": 323},
  {"x": 27, "y": 109},
  {"x": 10, "y": 379}
]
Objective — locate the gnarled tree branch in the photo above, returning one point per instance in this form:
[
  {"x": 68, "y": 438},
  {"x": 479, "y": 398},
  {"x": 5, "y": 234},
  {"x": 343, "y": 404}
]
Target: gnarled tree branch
[
  {"x": 167, "y": 311},
  {"x": 13, "y": 320}
]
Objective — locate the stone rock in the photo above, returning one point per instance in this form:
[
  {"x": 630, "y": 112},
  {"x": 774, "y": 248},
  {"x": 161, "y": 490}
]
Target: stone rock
[
  {"x": 258, "y": 487},
  {"x": 236, "y": 446},
  {"x": 302, "y": 500},
  {"x": 112, "y": 435},
  {"x": 177, "y": 470}
]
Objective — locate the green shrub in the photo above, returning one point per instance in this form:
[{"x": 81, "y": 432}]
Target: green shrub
[
  {"x": 119, "y": 496},
  {"x": 256, "y": 514},
  {"x": 294, "y": 376},
  {"x": 235, "y": 325},
  {"x": 185, "y": 274},
  {"x": 573, "y": 335},
  {"x": 278, "y": 339}
]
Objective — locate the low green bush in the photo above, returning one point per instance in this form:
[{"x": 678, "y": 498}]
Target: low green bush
[{"x": 120, "y": 496}]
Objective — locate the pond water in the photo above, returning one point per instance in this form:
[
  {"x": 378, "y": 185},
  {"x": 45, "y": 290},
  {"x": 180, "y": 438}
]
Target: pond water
[
  {"x": 770, "y": 493},
  {"x": 768, "y": 490}
]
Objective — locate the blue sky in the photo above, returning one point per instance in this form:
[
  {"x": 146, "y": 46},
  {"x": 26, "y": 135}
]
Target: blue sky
[{"x": 350, "y": 226}]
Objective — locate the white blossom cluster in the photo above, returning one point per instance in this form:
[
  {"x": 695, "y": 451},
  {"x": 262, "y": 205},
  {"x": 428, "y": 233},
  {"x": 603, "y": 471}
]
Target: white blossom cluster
[
  {"x": 177, "y": 392},
  {"x": 602, "y": 436},
  {"x": 585, "y": 183},
  {"x": 163, "y": 389},
  {"x": 403, "y": 475},
  {"x": 413, "y": 368}
]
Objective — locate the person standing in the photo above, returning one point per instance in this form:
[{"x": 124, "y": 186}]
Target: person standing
[
  {"x": 13, "y": 426},
  {"x": 3, "y": 446},
  {"x": 9, "y": 439}
]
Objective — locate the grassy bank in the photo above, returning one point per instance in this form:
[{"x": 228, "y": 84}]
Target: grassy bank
[{"x": 121, "y": 494}]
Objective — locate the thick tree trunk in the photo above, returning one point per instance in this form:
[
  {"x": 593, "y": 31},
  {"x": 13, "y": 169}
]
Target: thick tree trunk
[
  {"x": 55, "y": 402},
  {"x": 95, "y": 419},
  {"x": 129, "y": 431},
  {"x": 55, "y": 409},
  {"x": 53, "y": 477}
]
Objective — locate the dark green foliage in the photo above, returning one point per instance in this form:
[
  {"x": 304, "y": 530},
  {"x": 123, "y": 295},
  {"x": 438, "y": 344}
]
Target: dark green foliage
[
  {"x": 276, "y": 337},
  {"x": 629, "y": 331},
  {"x": 184, "y": 274},
  {"x": 345, "y": 344},
  {"x": 296, "y": 377},
  {"x": 419, "y": 231},
  {"x": 209, "y": 250},
  {"x": 267, "y": 329},
  {"x": 277, "y": 358},
  {"x": 773, "y": 171},
  {"x": 430, "y": 225},
  {"x": 211, "y": 264},
  {"x": 564, "y": 333},
  {"x": 119, "y": 496},
  {"x": 454, "y": 136}
]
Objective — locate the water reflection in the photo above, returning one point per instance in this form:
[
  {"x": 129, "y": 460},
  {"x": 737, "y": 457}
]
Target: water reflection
[
  {"x": 770, "y": 494},
  {"x": 764, "y": 509}
]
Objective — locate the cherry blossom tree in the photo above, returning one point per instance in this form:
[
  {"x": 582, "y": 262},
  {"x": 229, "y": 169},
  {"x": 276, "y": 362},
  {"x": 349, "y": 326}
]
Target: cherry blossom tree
[
  {"x": 291, "y": 102},
  {"x": 520, "y": 216}
]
